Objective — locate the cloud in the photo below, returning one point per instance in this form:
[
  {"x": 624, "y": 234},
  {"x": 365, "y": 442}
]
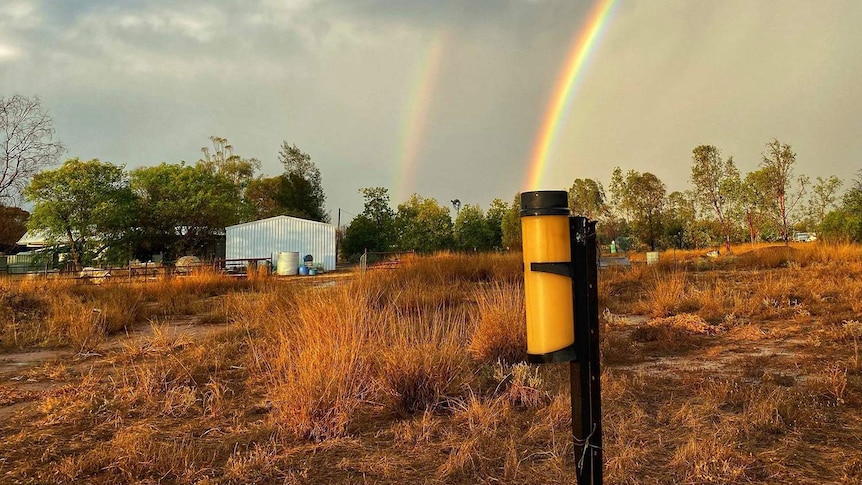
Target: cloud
[
  {"x": 9, "y": 53},
  {"x": 144, "y": 82},
  {"x": 197, "y": 27},
  {"x": 20, "y": 14}
]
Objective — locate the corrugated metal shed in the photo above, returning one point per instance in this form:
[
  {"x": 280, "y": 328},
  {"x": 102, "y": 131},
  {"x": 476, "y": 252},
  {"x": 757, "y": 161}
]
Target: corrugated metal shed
[{"x": 260, "y": 239}]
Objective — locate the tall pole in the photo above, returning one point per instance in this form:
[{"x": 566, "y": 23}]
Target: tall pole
[{"x": 337, "y": 236}]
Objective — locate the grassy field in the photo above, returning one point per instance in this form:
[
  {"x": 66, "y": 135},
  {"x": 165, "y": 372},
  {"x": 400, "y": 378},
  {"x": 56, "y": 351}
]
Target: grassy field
[{"x": 740, "y": 369}]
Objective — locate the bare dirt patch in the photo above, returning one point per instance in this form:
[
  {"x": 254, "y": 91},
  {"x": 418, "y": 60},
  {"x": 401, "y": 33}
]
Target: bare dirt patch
[{"x": 18, "y": 361}]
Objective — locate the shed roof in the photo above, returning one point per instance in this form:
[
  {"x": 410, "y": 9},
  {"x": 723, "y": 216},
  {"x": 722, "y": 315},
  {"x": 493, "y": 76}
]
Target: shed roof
[
  {"x": 33, "y": 239},
  {"x": 269, "y": 219}
]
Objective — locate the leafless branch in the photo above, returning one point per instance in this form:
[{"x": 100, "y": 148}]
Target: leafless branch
[{"x": 26, "y": 143}]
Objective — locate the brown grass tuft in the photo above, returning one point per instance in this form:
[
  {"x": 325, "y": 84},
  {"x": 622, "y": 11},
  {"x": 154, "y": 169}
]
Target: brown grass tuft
[
  {"x": 500, "y": 332},
  {"x": 679, "y": 331}
]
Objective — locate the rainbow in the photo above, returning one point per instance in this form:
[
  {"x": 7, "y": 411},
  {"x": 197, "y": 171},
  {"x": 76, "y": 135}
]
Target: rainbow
[
  {"x": 416, "y": 115},
  {"x": 582, "y": 45}
]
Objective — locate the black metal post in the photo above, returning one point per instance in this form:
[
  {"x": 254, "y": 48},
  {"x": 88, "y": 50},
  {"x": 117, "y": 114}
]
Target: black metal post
[{"x": 586, "y": 372}]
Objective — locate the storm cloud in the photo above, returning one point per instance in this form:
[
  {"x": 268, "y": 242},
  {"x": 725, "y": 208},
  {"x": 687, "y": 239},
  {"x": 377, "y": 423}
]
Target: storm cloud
[{"x": 141, "y": 83}]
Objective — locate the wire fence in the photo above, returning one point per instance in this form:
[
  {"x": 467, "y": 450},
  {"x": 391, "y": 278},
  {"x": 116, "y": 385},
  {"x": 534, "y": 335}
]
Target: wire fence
[
  {"x": 133, "y": 271},
  {"x": 375, "y": 260}
]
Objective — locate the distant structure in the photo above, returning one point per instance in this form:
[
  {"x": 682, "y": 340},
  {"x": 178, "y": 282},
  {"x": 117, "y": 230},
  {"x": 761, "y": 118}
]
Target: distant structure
[
  {"x": 33, "y": 240},
  {"x": 268, "y": 237},
  {"x": 456, "y": 203}
]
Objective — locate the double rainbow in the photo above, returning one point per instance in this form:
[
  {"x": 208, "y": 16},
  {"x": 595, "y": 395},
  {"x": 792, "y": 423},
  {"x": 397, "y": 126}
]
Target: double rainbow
[
  {"x": 582, "y": 46},
  {"x": 417, "y": 111}
]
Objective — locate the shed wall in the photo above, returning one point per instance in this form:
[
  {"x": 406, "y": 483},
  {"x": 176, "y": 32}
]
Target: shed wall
[{"x": 268, "y": 237}]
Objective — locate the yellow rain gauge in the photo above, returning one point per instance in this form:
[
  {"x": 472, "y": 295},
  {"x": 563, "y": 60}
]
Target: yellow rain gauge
[{"x": 561, "y": 297}]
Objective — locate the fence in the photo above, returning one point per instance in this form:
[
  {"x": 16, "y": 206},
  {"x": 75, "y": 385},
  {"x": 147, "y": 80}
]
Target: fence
[
  {"x": 383, "y": 260},
  {"x": 26, "y": 263},
  {"x": 241, "y": 265},
  {"x": 236, "y": 267}
]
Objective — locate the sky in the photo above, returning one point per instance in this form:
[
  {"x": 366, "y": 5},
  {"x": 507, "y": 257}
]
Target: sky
[{"x": 443, "y": 98}]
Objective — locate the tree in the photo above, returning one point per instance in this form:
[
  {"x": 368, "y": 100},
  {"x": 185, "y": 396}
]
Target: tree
[
  {"x": 423, "y": 225},
  {"x": 221, "y": 160},
  {"x": 511, "y": 225},
  {"x": 470, "y": 230},
  {"x": 374, "y": 228},
  {"x": 613, "y": 228},
  {"x": 261, "y": 194},
  {"x": 361, "y": 235},
  {"x": 26, "y": 143},
  {"x": 778, "y": 163},
  {"x": 717, "y": 184},
  {"x": 494, "y": 221},
  {"x": 88, "y": 205},
  {"x": 587, "y": 198},
  {"x": 641, "y": 197},
  {"x": 823, "y": 197},
  {"x": 301, "y": 190},
  {"x": 681, "y": 225},
  {"x": 845, "y": 223},
  {"x": 182, "y": 208},
  {"x": 13, "y": 225},
  {"x": 756, "y": 202}
]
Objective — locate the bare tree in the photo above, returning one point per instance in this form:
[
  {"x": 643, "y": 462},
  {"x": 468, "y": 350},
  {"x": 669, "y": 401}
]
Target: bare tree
[{"x": 26, "y": 143}]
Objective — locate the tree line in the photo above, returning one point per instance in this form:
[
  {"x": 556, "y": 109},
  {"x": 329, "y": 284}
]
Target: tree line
[
  {"x": 723, "y": 207},
  {"x": 636, "y": 212},
  {"x": 99, "y": 209},
  {"x": 422, "y": 224}
]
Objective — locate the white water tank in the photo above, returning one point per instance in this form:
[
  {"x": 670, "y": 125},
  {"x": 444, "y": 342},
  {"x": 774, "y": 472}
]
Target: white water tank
[{"x": 288, "y": 263}]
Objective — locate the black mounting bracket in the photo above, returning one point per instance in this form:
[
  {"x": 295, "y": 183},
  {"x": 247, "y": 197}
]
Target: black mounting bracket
[{"x": 562, "y": 269}]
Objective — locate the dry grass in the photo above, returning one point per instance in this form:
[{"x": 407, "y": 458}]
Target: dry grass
[
  {"x": 82, "y": 314},
  {"x": 501, "y": 328},
  {"x": 743, "y": 369},
  {"x": 679, "y": 332}
]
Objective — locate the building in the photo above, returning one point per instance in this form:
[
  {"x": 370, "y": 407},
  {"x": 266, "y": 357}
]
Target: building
[
  {"x": 267, "y": 237},
  {"x": 34, "y": 240}
]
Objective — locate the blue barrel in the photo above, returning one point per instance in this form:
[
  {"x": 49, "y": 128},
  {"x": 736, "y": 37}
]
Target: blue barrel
[{"x": 303, "y": 270}]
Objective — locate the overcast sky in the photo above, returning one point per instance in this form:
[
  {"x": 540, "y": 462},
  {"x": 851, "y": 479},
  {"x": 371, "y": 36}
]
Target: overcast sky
[{"x": 139, "y": 83}]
